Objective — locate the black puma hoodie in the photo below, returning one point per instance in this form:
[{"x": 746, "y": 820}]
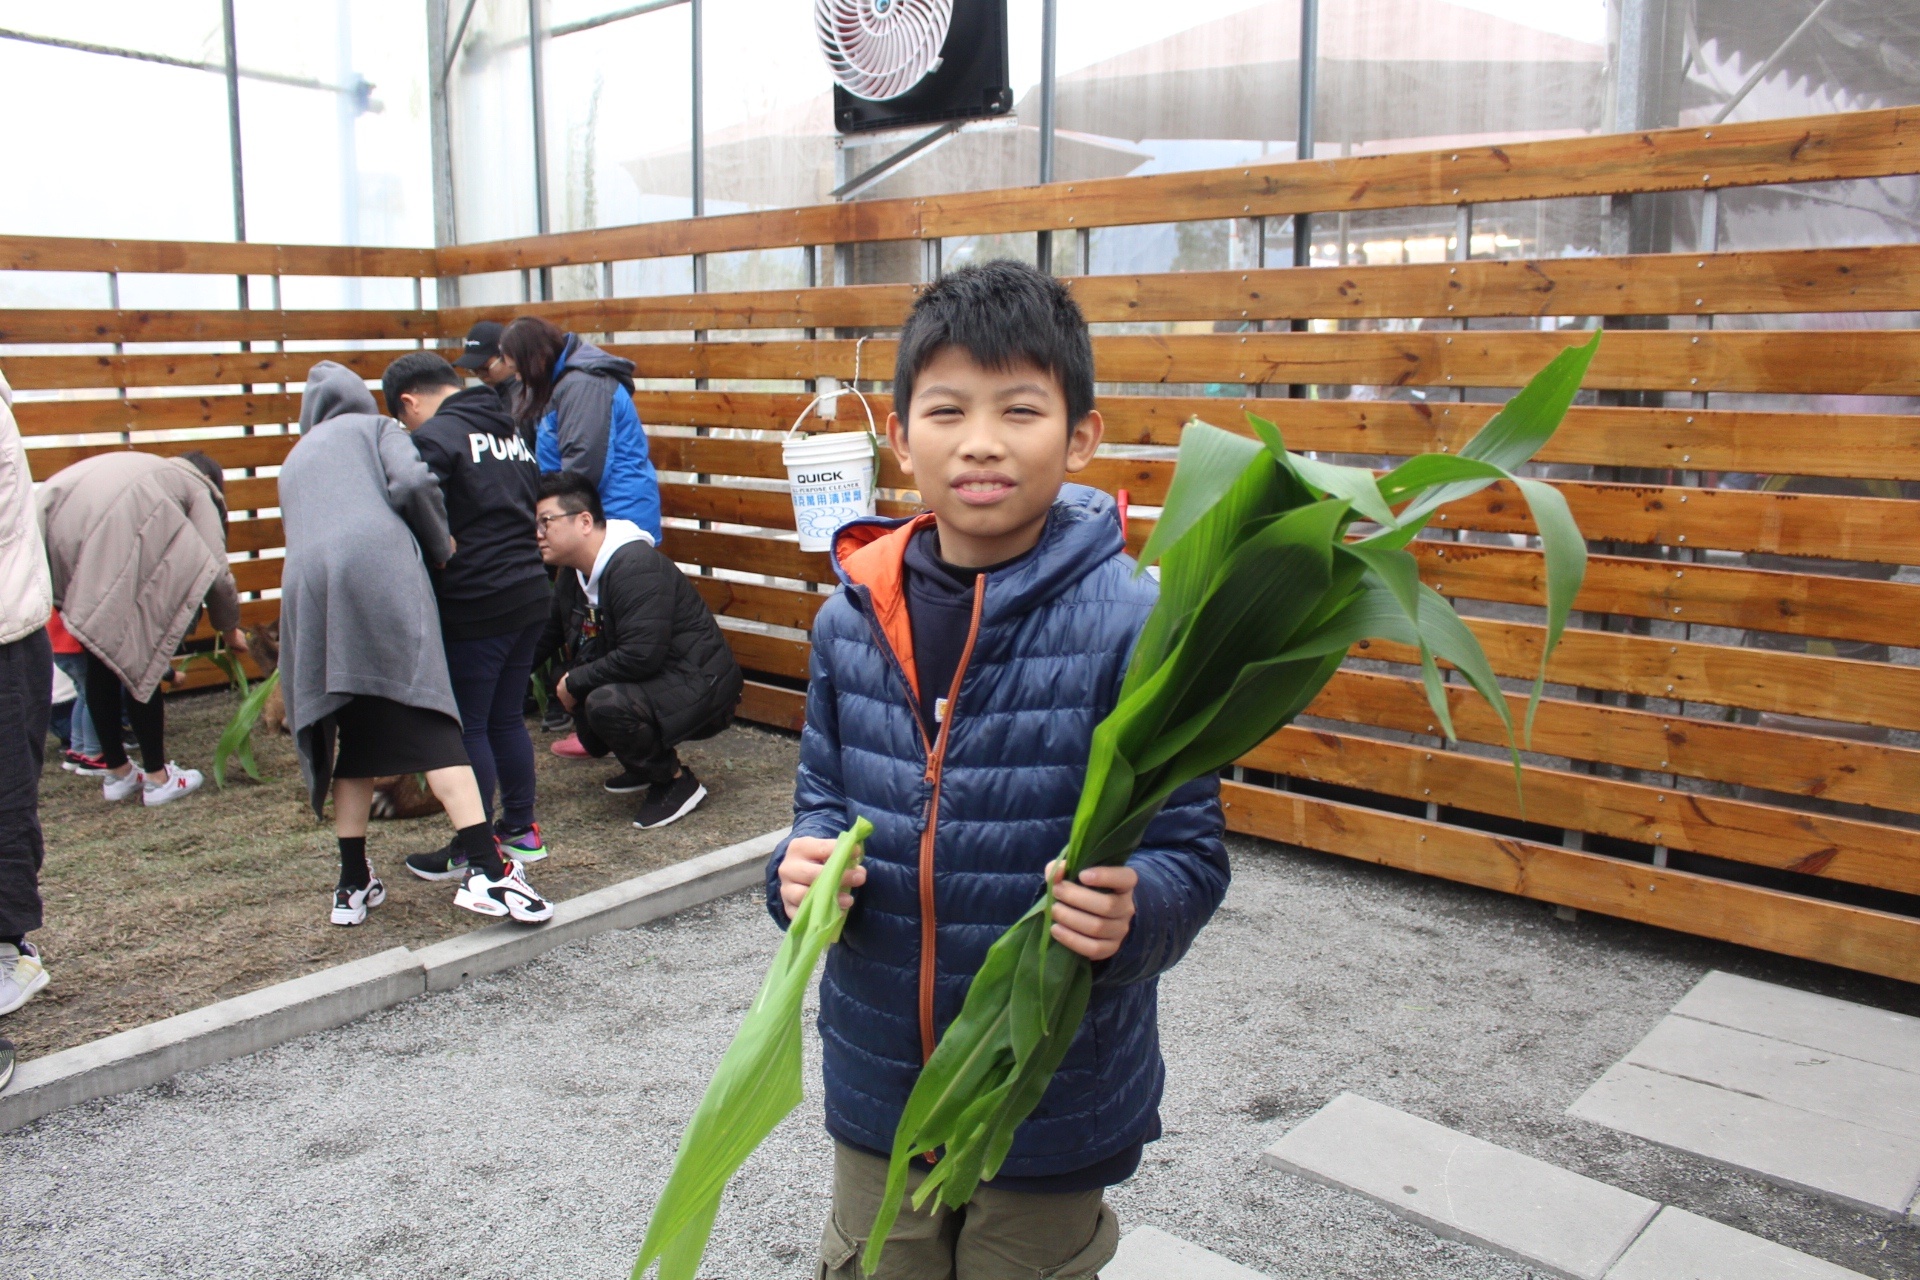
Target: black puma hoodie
[{"x": 494, "y": 583}]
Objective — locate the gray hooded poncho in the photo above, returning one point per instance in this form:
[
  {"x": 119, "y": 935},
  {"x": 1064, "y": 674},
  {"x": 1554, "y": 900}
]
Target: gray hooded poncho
[{"x": 357, "y": 612}]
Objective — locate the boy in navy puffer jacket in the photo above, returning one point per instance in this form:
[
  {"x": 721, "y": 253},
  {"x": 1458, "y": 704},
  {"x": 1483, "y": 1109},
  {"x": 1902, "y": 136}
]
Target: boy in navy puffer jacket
[{"x": 956, "y": 680}]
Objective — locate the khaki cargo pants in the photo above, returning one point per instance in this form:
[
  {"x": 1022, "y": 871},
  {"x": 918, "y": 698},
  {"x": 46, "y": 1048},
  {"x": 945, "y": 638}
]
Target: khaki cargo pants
[{"x": 999, "y": 1235}]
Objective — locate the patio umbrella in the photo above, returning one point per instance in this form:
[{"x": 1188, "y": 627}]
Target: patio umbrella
[
  {"x": 1387, "y": 69},
  {"x": 786, "y": 157}
]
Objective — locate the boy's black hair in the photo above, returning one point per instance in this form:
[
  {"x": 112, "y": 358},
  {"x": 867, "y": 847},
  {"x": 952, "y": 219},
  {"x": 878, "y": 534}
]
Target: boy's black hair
[
  {"x": 1001, "y": 313},
  {"x": 574, "y": 492},
  {"x": 415, "y": 370}
]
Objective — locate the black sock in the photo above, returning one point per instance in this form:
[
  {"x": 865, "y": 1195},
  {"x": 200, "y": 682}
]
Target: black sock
[
  {"x": 483, "y": 855},
  {"x": 354, "y": 871}
]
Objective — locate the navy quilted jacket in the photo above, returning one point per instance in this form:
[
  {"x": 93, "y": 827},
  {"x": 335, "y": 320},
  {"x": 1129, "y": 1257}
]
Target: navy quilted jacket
[{"x": 1053, "y": 637}]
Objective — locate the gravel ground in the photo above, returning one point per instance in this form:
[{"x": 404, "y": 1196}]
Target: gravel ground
[{"x": 520, "y": 1127}]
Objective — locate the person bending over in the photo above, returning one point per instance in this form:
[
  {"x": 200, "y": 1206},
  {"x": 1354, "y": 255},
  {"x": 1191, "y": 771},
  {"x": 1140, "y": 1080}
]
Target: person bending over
[
  {"x": 645, "y": 665},
  {"x": 493, "y": 591},
  {"x": 580, "y": 400},
  {"x": 137, "y": 542},
  {"x": 480, "y": 356},
  {"x": 361, "y": 661},
  {"x": 956, "y": 679}
]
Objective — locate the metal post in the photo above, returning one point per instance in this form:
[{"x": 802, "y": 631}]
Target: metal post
[
  {"x": 699, "y": 151},
  {"x": 1049, "y": 44},
  {"x": 1463, "y": 252},
  {"x": 233, "y": 134},
  {"x": 440, "y": 120},
  {"x": 1303, "y": 146},
  {"x": 536, "y": 62}
]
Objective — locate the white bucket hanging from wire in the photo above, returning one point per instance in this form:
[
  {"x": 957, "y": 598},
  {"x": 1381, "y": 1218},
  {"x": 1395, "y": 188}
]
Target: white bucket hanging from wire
[{"x": 831, "y": 473}]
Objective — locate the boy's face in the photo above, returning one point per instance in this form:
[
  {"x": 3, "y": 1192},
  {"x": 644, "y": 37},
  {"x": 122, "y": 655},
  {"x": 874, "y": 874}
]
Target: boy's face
[{"x": 988, "y": 450}]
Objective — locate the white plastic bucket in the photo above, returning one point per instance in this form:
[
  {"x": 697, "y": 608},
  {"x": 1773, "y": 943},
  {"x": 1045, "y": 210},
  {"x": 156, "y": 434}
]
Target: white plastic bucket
[{"x": 832, "y": 481}]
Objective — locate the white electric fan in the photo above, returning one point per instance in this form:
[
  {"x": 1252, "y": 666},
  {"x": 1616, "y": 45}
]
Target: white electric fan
[{"x": 879, "y": 49}]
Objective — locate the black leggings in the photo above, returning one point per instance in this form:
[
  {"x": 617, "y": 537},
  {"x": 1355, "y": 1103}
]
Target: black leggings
[{"x": 106, "y": 697}]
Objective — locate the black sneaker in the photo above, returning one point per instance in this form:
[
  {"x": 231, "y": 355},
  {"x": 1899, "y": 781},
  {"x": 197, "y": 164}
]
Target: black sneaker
[
  {"x": 442, "y": 864},
  {"x": 670, "y": 801},
  {"x": 626, "y": 782},
  {"x": 558, "y": 719}
]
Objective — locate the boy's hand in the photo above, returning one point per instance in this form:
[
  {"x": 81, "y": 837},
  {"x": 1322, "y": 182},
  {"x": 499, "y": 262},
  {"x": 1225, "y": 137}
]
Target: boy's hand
[
  {"x": 800, "y": 867},
  {"x": 1092, "y": 917}
]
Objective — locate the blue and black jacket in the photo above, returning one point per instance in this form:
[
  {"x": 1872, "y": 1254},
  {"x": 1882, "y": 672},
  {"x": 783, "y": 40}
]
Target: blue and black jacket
[
  {"x": 965, "y": 824},
  {"x": 592, "y": 429}
]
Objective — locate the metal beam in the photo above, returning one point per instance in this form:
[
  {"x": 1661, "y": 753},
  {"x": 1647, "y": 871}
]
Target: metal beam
[
  {"x": 1761, "y": 72},
  {"x": 853, "y": 186},
  {"x": 359, "y": 89},
  {"x": 459, "y": 34}
]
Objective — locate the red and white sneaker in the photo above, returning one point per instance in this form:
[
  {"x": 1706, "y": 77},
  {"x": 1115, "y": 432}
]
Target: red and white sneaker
[
  {"x": 85, "y": 765},
  {"x": 350, "y": 906},
  {"x": 118, "y": 787},
  {"x": 178, "y": 782},
  {"x": 510, "y": 895}
]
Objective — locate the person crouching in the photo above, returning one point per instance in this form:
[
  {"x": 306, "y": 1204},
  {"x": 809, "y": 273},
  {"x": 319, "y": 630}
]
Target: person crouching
[
  {"x": 361, "y": 661},
  {"x": 645, "y": 665}
]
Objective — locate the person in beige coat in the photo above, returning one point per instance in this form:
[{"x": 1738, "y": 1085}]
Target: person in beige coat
[
  {"x": 26, "y": 699},
  {"x": 136, "y": 543}
]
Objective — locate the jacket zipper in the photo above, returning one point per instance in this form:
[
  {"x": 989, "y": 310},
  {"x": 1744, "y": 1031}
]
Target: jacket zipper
[{"x": 936, "y": 761}]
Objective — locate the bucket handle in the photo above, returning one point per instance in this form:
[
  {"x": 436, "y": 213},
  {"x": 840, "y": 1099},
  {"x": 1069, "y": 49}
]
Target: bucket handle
[{"x": 873, "y": 432}]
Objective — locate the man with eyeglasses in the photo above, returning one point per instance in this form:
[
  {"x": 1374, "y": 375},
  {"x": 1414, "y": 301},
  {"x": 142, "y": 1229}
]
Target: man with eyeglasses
[{"x": 645, "y": 666}]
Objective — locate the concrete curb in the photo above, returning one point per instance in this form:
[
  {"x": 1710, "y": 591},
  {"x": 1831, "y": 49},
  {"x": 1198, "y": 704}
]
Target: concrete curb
[
  {"x": 285, "y": 1011},
  {"x": 618, "y": 906}
]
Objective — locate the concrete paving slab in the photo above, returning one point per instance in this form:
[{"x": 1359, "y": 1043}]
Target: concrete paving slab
[
  {"x": 1147, "y": 1253},
  {"x": 1817, "y": 1080},
  {"x": 1819, "y": 1022},
  {"x": 1679, "y": 1245},
  {"x": 1465, "y": 1189},
  {"x": 1865, "y": 1167},
  {"x": 245, "y": 1024},
  {"x": 619, "y": 906}
]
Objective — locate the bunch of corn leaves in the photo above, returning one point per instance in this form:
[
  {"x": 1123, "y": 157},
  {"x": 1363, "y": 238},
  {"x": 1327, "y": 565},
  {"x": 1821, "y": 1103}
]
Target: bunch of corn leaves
[
  {"x": 757, "y": 1082},
  {"x": 236, "y": 740},
  {"x": 1271, "y": 566}
]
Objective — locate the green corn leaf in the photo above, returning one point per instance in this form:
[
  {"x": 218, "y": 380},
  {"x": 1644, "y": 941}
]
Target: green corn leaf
[
  {"x": 1211, "y": 463},
  {"x": 757, "y": 1082},
  {"x": 1565, "y": 552},
  {"x": 237, "y": 738}
]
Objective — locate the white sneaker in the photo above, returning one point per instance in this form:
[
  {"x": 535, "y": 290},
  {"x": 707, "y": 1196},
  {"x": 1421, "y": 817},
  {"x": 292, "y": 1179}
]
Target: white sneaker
[
  {"x": 350, "y": 906},
  {"x": 21, "y": 974},
  {"x": 510, "y": 895},
  {"x": 178, "y": 782},
  {"x": 116, "y": 788}
]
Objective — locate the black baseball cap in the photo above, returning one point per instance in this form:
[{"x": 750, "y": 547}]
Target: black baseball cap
[{"x": 483, "y": 344}]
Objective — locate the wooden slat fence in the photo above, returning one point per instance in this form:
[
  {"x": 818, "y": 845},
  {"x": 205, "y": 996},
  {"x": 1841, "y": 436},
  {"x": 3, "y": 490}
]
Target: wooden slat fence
[{"x": 1730, "y": 745}]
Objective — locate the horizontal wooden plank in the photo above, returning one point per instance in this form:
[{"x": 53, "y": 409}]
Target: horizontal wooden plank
[
  {"x": 1883, "y": 362},
  {"x": 1801, "y": 604},
  {"x": 252, "y": 494},
  {"x": 231, "y": 452},
  {"x": 153, "y": 413},
  {"x": 258, "y": 575},
  {"x": 20, "y": 324},
  {"x": 776, "y": 655},
  {"x": 1793, "y": 763},
  {"x": 1740, "y": 831},
  {"x": 778, "y": 606},
  {"x": 1802, "y": 149},
  {"x": 1783, "y": 281},
  {"x": 235, "y": 368},
  {"x": 65, "y": 253},
  {"x": 1798, "y": 684},
  {"x": 1814, "y": 686},
  {"x": 264, "y": 534},
  {"x": 746, "y": 553},
  {"x": 1864, "y": 445},
  {"x": 1829, "y": 932},
  {"x": 772, "y": 705},
  {"x": 1881, "y": 530}
]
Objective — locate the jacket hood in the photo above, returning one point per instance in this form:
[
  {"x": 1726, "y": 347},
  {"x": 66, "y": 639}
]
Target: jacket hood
[
  {"x": 619, "y": 534},
  {"x": 1082, "y": 533},
  {"x": 581, "y": 356},
  {"x": 333, "y": 389},
  {"x": 478, "y": 409}
]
